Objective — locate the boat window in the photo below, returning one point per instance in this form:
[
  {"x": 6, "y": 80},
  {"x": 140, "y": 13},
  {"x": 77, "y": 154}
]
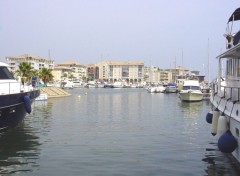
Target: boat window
[
  {"x": 234, "y": 66},
  {"x": 231, "y": 67},
  {"x": 195, "y": 88},
  {"x": 186, "y": 88},
  {"x": 5, "y": 73},
  {"x": 238, "y": 68}
]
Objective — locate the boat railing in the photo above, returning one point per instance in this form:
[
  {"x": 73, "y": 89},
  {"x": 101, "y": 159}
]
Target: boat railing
[
  {"x": 231, "y": 93},
  {"x": 15, "y": 87}
]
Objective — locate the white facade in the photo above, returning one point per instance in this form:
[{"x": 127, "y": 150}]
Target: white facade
[
  {"x": 78, "y": 70},
  {"x": 37, "y": 62},
  {"x": 156, "y": 75},
  {"x": 59, "y": 72},
  {"x": 112, "y": 71}
]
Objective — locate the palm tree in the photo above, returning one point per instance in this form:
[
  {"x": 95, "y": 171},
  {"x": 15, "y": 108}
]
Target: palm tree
[
  {"x": 24, "y": 71},
  {"x": 46, "y": 75},
  {"x": 71, "y": 77},
  {"x": 34, "y": 73}
]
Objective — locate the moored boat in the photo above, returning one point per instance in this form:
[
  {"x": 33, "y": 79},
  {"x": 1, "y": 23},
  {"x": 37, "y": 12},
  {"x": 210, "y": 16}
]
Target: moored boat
[
  {"x": 156, "y": 89},
  {"x": 225, "y": 97},
  {"x": 118, "y": 84},
  {"x": 191, "y": 91},
  {"x": 15, "y": 98},
  {"x": 206, "y": 93},
  {"x": 171, "y": 88}
]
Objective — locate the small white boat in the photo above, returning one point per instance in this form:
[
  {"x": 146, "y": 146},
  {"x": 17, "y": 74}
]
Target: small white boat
[
  {"x": 191, "y": 91},
  {"x": 91, "y": 84},
  {"x": 133, "y": 85},
  {"x": 77, "y": 84},
  {"x": 151, "y": 89},
  {"x": 118, "y": 84},
  {"x": 156, "y": 89},
  {"x": 171, "y": 88},
  {"x": 67, "y": 84}
]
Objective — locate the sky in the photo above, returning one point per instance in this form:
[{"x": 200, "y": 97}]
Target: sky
[{"x": 161, "y": 33}]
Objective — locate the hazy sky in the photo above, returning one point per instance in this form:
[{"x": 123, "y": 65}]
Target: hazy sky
[{"x": 88, "y": 31}]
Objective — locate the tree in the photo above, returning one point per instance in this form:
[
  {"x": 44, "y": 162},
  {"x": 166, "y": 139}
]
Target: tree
[
  {"x": 34, "y": 73},
  {"x": 64, "y": 75},
  {"x": 24, "y": 71},
  {"x": 71, "y": 77},
  {"x": 46, "y": 75}
]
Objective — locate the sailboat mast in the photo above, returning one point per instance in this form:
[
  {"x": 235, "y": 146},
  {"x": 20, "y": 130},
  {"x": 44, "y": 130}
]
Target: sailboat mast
[
  {"x": 182, "y": 57},
  {"x": 49, "y": 55},
  {"x": 208, "y": 63}
]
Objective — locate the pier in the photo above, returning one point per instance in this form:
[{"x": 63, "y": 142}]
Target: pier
[{"x": 54, "y": 92}]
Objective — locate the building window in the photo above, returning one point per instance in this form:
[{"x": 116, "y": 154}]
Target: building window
[{"x": 125, "y": 71}]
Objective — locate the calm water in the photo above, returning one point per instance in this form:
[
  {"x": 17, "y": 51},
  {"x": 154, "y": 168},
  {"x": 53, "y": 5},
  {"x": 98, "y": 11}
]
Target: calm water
[{"x": 114, "y": 132}]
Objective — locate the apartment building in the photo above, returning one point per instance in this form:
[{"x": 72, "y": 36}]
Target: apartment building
[
  {"x": 60, "y": 73},
  {"x": 157, "y": 75},
  {"x": 79, "y": 71},
  {"x": 37, "y": 62},
  {"x": 178, "y": 71},
  {"x": 165, "y": 76},
  {"x": 112, "y": 71}
]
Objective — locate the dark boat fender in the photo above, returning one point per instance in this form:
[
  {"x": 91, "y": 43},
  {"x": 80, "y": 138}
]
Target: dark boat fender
[{"x": 27, "y": 102}]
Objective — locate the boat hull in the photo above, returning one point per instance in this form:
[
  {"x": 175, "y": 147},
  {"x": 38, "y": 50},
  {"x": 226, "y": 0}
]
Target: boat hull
[
  {"x": 191, "y": 96},
  {"x": 234, "y": 127},
  {"x": 171, "y": 90},
  {"x": 13, "y": 108}
]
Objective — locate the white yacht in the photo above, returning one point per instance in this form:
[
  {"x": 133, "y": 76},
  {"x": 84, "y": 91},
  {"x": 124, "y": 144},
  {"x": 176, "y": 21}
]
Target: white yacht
[
  {"x": 191, "y": 91},
  {"x": 225, "y": 98}
]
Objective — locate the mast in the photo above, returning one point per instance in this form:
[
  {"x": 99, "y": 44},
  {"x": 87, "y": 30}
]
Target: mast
[
  {"x": 208, "y": 64},
  {"x": 49, "y": 55},
  {"x": 182, "y": 57},
  {"x": 175, "y": 70}
]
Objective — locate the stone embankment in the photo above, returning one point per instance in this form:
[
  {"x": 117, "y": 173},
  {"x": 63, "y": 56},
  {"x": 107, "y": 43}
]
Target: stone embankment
[{"x": 54, "y": 92}]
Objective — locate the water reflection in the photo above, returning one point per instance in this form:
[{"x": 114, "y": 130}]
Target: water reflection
[
  {"x": 19, "y": 150},
  {"x": 20, "y": 147},
  {"x": 190, "y": 109},
  {"x": 219, "y": 163}
]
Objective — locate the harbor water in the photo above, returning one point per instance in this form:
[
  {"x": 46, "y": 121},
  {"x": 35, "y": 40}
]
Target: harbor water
[{"x": 122, "y": 132}]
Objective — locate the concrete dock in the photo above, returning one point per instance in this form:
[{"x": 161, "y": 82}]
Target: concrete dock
[{"x": 54, "y": 92}]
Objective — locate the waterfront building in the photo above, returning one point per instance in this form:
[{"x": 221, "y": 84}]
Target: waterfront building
[
  {"x": 92, "y": 72},
  {"x": 165, "y": 76},
  {"x": 178, "y": 71},
  {"x": 151, "y": 74},
  {"x": 112, "y": 71},
  {"x": 61, "y": 73},
  {"x": 78, "y": 72},
  {"x": 37, "y": 62},
  {"x": 156, "y": 75}
]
